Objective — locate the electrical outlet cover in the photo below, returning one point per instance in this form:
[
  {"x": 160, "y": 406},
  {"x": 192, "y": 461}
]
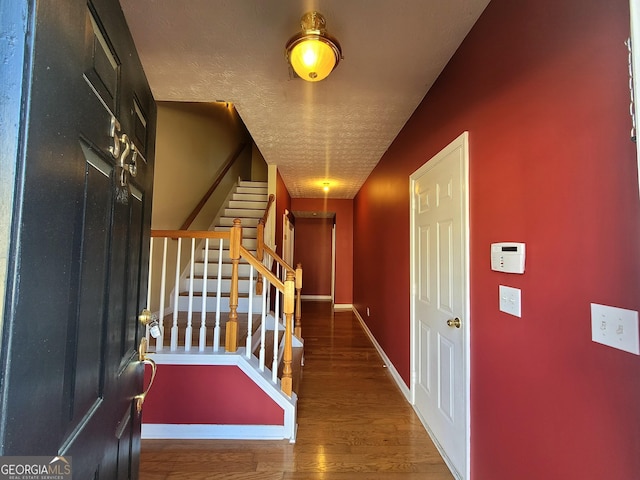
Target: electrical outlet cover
[{"x": 615, "y": 327}]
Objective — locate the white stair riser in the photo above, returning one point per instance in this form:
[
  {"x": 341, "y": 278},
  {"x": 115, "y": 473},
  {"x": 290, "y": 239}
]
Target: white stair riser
[
  {"x": 247, "y": 232},
  {"x": 215, "y": 254},
  {"x": 212, "y": 271},
  {"x": 243, "y": 213},
  {"x": 255, "y": 190},
  {"x": 248, "y": 205},
  {"x": 243, "y": 304},
  {"x": 249, "y": 243},
  {"x": 253, "y": 183},
  {"x": 246, "y": 222},
  {"x": 250, "y": 197},
  {"x": 212, "y": 285}
]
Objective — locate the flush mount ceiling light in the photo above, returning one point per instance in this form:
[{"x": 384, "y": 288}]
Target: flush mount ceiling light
[{"x": 312, "y": 53}]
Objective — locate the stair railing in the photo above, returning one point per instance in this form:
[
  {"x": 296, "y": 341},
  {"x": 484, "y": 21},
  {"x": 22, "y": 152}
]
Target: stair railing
[
  {"x": 178, "y": 305},
  {"x": 260, "y": 237},
  {"x": 281, "y": 266},
  {"x": 287, "y": 269},
  {"x": 237, "y": 251},
  {"x": 166, "y": 306}
]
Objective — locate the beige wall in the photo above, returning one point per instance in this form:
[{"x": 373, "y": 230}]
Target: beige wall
[
  {"x": 194, "y": 141},
  {"x": 259, "y": 168}
]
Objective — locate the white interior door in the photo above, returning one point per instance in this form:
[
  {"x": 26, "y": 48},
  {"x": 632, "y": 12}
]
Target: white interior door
[{"x": 440, "y": 320}]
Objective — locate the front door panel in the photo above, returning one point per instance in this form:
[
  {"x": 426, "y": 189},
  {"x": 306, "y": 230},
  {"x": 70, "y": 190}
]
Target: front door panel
[{"x": 70, "y": 370}]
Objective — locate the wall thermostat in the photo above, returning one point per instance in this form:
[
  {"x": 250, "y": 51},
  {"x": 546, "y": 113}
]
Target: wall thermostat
[{"x": 507, "y": 257}]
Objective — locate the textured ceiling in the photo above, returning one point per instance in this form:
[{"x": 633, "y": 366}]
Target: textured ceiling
[{"x": 335, "y": 130}]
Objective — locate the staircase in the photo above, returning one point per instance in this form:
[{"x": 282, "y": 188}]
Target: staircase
[
  {"x": 222, "y": 346},
  {"x": 247, "y": 203}
]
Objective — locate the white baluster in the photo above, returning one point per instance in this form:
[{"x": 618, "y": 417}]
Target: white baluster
[
  {"x": 250, "y": 314},
  {"x": 203, "y": 314},
  {"x": 216, "y": 330},
  {"x": 163, "y": 286},
  {"x": 176, "y": 298},
  {"x": 263, "y": 325},
  {"x": 269, "y": 291},
  {"x": 274, "y": 367},
  {"x": 188, "y": 333}
]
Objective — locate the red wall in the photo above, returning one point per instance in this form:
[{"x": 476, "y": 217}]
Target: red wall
[
  {"x": 205, "y": 394},
  {"x": 344, "y": 241},
  {"x": 542, "y": 88},
  {"x": 313, "y": 238}
]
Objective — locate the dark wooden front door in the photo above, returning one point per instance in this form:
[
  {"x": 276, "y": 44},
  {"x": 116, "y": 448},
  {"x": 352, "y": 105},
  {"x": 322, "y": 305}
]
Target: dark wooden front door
[{"x": 79, "y": 243}]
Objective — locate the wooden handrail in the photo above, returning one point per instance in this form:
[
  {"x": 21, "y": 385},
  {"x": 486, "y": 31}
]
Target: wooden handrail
[
  {"x": 189, "y": 234},
  {"x": 260, "y": 237},
  {"x": 261, "y": 224},
  {"x": 297, "y": 276},
  {"x": 192, "y": 216},
  {"x": 246, "y": 254},
  {"x": 278, "y": 258},
  {"x": 264, "y": 218}
]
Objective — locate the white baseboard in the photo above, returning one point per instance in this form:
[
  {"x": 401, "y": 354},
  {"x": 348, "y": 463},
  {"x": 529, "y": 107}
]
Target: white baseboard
[
  {"x": 343, "y": 306},
  {"x": 214, "y": 432},
  {"x": 316, "y": 297},
  {"x": 394, "y": 373}
]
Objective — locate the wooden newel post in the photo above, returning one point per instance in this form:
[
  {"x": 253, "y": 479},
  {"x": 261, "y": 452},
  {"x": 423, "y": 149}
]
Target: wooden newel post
[
  {"x": 260, "y": 255},
  {"x": 289, "y": 300},
  {"x": 231, "y": 340},
  {"x": 298, "y": 330}
]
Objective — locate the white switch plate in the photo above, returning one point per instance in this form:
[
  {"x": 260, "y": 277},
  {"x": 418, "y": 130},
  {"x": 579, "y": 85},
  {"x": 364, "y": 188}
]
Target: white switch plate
[
  {"x": 615, "y": 327},
  {"x": 510, "y": 300}
]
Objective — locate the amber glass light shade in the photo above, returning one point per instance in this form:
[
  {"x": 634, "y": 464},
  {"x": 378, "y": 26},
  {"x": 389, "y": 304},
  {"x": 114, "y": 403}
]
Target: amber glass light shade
[{"x": 312, "y": 53}]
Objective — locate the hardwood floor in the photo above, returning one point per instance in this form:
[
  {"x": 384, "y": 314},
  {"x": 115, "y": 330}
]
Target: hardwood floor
[{"x": 353, "y": 422}]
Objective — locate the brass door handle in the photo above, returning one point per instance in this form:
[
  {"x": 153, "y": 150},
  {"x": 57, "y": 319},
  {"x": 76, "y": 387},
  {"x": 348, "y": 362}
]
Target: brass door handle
[
  {"x": 454, "y": 323},
  {"x": 150, "y": 320},
  {"x": 145, "y": 317},
  {"x": 142, "y": 356}
]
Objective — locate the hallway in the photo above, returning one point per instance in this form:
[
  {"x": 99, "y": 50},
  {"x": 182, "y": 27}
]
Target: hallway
[{"x": 353, "y": 422}]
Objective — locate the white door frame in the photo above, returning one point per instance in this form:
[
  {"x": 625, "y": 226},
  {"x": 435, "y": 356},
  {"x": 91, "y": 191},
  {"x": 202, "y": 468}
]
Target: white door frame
[
  {"x": 287, "y": 238},
  {"x": 462, "y": 140},
  {"x": 333, "y": 262}
]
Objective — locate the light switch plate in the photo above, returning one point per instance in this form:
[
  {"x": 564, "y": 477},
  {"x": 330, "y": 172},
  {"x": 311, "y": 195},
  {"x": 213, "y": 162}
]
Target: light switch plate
[
  {"x": 510, "y": 300},
  {"x": 615, "y": 327}
]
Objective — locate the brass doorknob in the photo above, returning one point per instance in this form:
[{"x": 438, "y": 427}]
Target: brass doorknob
[
  {"x": 454, "y": 323},
  {"x": 150, "y": 320},
  {"x": 145, "y": 317}
]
